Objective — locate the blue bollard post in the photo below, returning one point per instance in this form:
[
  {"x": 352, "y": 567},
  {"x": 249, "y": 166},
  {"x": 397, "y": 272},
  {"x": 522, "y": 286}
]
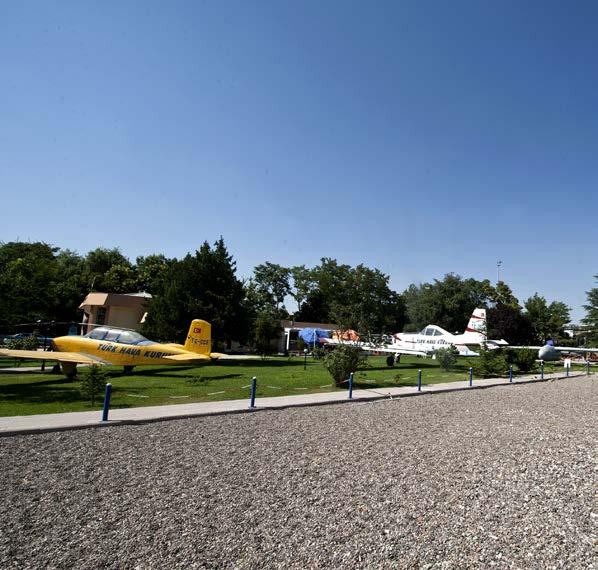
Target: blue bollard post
[
  {"x": 253, "y": 388},
  {"x": 351, "y": 386},
  {"x": 510, "y": 374},
  {"x": 470, "y": 376},
  {"x": 541, "y": 370},
  {"x": 106, "y": 402},
  {"x": 419, "y": 380}
]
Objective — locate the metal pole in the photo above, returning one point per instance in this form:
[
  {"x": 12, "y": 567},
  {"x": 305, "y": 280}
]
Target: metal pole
[
  {"x": 541, "y": 370},
  {"x": 351, "y": 386},
  {"x": 588, "y": 368},
  {"x": 45, "y": 336},
  {"x": 253, "y": 387},
  {"x": 470, "y": 376},
  {"x": 419, "y": 380},
  {"x": 106, "y": 402},
  {"x": 510, "y": 374}
]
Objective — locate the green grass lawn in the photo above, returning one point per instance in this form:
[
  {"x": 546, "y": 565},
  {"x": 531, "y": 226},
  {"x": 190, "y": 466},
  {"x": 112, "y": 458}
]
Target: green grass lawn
[{"x": 35, "y": 393}]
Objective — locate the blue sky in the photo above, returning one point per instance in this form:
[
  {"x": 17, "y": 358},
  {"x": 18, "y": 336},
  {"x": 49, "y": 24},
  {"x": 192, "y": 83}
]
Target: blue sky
[{"x": 417, "y": 137}]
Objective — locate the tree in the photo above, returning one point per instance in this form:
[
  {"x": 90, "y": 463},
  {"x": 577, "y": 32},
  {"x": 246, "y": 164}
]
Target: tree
[
  {"x": 303, "y": 283},
  {"x": 547, "y": 320},
  {"x": 509, "y": 323},
  {"x": 93, "y": 382},
  {"x": 120, "y": 279},
  {"x": 491, "y": 362},
  {"x": 271, "y": 283},
  {"x": 447, "y": 303},
  {"x": 502, "y": 294},
  {"x": 151, "y": 272},
  {"x": 204, "y": 286},
  {"x": 523, "y": 358},
  {"x": 27, "y": 276},
  {"x": 591, "y": 318},
  {"x": 354, "y": 298},
  {"x": 341, "y": 362},
  {"x": 265, "y": 330},
  {"x": 70, "y": 286},
  {"x": 447, "y": 357},
  {"x": 559, "y": 316},
  {"x": 98, "y": 265}
]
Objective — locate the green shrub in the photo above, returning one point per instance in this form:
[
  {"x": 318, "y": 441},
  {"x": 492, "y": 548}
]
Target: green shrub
[
  {"x": 447, "y": 357},
  {"x": 93, "y": 382},
  {"x": 490, "y": 363},
  {"x": 523, "y": 358},
  {"x": 341, "y": 362}
]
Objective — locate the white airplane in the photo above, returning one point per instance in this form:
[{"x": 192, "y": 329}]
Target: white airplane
[{"x": 433, "y": 337}]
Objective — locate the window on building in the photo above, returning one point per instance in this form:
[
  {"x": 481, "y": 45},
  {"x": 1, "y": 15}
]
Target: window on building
[{"x": 101, "y": 316}]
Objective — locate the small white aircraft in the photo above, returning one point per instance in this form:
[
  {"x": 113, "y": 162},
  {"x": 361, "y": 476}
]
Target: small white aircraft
[{"x": 433, "y": 337}]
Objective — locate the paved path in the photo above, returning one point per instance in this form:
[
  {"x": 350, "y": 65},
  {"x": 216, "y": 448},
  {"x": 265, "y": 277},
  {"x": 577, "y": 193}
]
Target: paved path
[{"x": 77, "y": 420}]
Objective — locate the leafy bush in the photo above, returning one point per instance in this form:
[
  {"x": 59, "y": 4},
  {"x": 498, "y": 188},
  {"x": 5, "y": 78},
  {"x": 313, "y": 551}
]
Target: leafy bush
[
  {"x": 526, "y": 360},
  {"x": 341, "y": 362},
  {"x": 447, "y": 357},
  {"x": 318, "y": 353},
  {"x": 93, "y": 382},
  {"x": 490, "y": 363},
  {"x": 523, "y": 358}
]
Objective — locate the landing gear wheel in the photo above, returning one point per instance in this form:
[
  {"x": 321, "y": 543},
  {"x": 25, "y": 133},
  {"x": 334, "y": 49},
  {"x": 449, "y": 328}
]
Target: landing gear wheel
[
  {"x": 128, "y": 370},
  {"x": 390, "y": 361},
  {"x": 56, "y": 369}
]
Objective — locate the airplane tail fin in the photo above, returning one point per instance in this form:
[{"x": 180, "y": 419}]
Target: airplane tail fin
[
  {"x": 199, "y": 337},
  {"x": 477, "y": 324}
]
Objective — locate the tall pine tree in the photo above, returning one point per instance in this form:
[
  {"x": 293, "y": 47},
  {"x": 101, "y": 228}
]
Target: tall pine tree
[{"x": 201, "y": 286}]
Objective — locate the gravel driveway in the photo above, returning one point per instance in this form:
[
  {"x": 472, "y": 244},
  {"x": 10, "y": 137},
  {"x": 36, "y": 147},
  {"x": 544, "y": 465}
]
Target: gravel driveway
[{"x": 504, "y": 478}]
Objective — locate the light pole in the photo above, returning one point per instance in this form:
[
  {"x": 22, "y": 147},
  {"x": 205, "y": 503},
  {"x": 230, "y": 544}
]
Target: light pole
[{"x": 305, "y": 359}]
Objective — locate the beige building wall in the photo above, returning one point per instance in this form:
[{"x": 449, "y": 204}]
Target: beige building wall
[{"x": 125, "y": 317}]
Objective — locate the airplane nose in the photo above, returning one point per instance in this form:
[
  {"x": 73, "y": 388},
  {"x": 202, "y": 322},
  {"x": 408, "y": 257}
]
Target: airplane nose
[{"x": 547, "y": 352}]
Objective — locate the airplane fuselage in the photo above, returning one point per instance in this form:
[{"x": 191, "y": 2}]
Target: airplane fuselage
[
  {"x": 119, "y": 354},
  {"x": 432, "y": 338}
]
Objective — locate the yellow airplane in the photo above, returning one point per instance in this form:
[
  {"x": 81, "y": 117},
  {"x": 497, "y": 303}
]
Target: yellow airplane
[{"x": 111, "y": 346}]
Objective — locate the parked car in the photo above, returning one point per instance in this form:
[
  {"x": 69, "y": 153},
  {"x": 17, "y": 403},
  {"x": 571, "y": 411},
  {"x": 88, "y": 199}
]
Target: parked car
[{"x": 42, "y": 341}]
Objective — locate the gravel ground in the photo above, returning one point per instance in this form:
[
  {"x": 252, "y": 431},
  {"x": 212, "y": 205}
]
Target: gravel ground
[{"x": 503, "y": 478}]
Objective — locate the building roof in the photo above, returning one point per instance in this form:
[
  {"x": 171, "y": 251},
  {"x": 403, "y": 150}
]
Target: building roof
[
  {"x": 114, "y": 300},
  {"x": 297, "y": 325}
]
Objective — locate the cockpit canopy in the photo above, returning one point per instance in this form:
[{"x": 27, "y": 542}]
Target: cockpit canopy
[
  {"x": 118, "y": 335},
  {"x": 432, "y": 330}
]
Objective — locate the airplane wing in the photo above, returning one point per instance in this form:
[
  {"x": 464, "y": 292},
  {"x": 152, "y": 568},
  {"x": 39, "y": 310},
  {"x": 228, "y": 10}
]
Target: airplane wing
[
  {"x": 390, "y": 350},
  {"x": 76, "y": 357},
  {"x": 571, "y": 349},
  {"x": 368, "y": 347}
]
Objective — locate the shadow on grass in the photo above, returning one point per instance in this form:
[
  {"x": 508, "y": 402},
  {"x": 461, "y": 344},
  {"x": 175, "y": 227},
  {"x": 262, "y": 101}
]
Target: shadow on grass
[
  {"x": 280, "y": 363},
  {"x": 44, "y": 391}
]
